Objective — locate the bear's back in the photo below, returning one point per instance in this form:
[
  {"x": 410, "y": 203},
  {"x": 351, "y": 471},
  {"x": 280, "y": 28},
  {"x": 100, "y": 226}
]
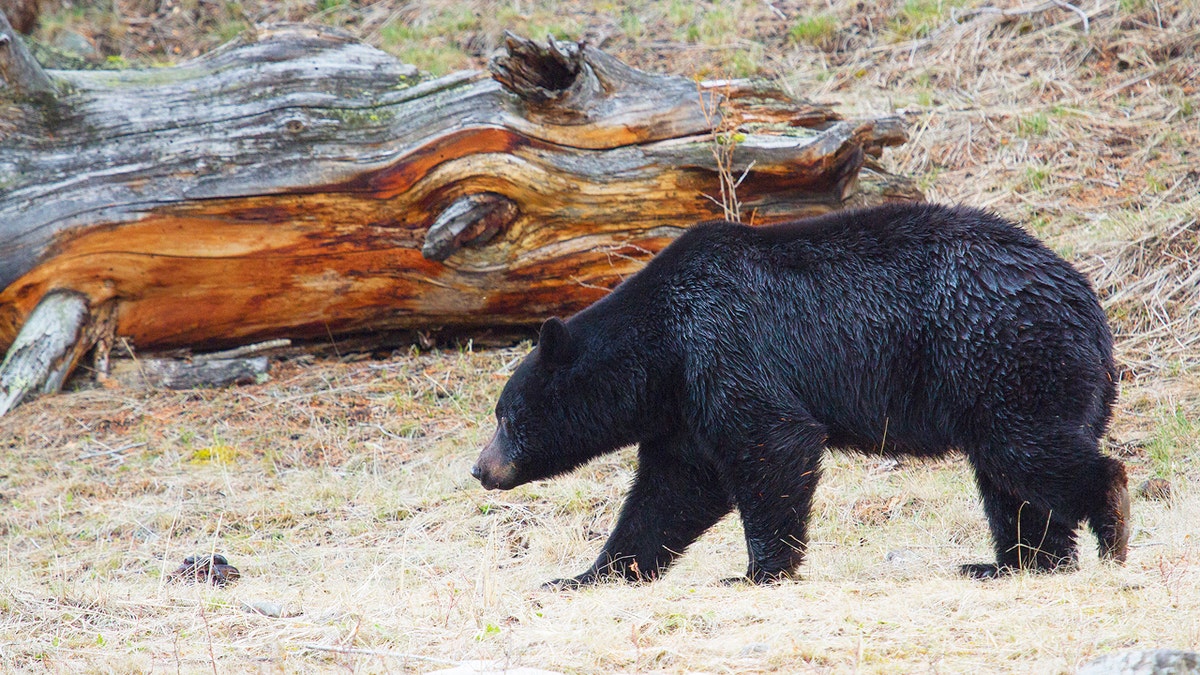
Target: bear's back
[{"x": 916, "y": 313}]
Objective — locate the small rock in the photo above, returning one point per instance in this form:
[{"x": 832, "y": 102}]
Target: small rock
[
  {"x": 75, "y": 43},
  {"x": 271, "y": 609},
  {"x": 755, "y": 649},
  {"x": 902, "y": 557},
  {"x": 264, "y": 607},
  {"x": 887, "y": 465},
  {"x": 199, "y": 569},
  {"x": 1156, "y": 489},
  {"x": 1152, "y": 662}
]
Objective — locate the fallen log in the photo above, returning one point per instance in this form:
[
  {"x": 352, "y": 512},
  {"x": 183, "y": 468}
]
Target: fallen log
[{"x": 298, "y": 183}]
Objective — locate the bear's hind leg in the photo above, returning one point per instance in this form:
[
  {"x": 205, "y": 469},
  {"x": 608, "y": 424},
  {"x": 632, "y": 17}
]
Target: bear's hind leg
[
  {"x": 773, "y": 481},
  {"x": 672, "y": 502},
  {"x": 1110, "y": 518},
  {"x": 1025, "y": 536},
  {"x": 1065, "y": 480}
]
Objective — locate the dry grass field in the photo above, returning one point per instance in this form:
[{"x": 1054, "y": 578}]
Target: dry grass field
[{"x": 340, "y": 487}]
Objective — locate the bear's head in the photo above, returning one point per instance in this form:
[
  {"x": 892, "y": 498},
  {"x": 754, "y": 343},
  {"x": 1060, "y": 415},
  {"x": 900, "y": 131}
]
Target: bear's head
[{"x": 553, "y": 415}]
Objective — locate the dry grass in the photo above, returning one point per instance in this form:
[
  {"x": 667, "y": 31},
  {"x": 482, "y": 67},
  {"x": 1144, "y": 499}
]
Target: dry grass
[
  {"x": 341, "y": 491},
  {"x": 340, "y": 488}
]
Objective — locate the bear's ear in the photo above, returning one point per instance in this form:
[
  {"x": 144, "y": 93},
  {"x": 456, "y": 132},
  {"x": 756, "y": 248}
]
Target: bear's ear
[{"x": 554, "y": 342}]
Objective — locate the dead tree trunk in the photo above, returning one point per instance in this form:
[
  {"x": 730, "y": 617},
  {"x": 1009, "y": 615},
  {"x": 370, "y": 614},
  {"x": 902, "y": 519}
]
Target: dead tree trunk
[{"x": 301, "y": 184}]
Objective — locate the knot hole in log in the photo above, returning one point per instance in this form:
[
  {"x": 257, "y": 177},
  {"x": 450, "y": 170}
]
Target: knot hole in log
[
  {"x": 537, "y": 73},
  {"x": 471, "y": 220}
]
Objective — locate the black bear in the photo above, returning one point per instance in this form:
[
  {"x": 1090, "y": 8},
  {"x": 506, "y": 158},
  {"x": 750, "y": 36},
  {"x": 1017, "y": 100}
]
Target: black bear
[{"x": 739, "y": 353}]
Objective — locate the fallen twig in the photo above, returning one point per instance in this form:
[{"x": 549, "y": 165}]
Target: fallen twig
[
  {"x": 109, "y": 451},
  {"x": 378, "y": 652},
  {"x": 244, "y": 350}
]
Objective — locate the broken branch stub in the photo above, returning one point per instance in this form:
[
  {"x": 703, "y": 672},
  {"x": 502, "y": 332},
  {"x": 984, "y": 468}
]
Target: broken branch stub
[
  {"x": 581, "y": 97},
  {"x": 469, "y": 221},
  {"x": 40, "y": 356},
  {"x": 537, "y": 74},
  {"x": 18, "y": 69}
]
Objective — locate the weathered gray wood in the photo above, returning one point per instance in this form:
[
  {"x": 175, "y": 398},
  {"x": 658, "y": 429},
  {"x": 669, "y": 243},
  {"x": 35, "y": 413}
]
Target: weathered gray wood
[
  {"x": 38, "y": 359},
  {"x": 18, "y": 69},
  {"x": 189, "y": 373}
]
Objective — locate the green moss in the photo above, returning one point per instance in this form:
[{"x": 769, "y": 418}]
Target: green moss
[
  {"x": 359, "y": 118},
  {"x": 218, "y": 453}
]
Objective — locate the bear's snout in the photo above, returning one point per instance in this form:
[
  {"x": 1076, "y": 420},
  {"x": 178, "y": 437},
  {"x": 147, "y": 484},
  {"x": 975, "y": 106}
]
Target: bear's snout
[{"x": 492, "y": 469}]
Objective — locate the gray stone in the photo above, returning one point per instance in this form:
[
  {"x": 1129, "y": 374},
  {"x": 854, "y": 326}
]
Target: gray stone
[
  {"x": 1152, "y": 662},
  {"x": 271, "y": 609},
  {"x": 74, "y": 43},
  {"x": 755, "y": 649}
]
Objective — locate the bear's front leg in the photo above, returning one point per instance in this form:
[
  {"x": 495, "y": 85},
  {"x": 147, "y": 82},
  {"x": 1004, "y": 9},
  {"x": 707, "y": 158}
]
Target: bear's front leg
[
  {"x": 773, "y": 479},
  {"x": 672, "y": 502}
]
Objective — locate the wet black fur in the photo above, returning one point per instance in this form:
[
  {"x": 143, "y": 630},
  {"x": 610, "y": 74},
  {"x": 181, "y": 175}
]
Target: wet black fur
[{"x": 739, "y": 353}]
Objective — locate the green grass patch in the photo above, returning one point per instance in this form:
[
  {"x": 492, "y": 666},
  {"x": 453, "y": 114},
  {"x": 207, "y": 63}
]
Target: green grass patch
[
  {"x": 1187, "y": 107},
  {"x": 681, "y": 13},
  {"x": 1036, "y": 178},
  {"x": 918, "y": 18},
  {"x": 631, "y": 25},
  {"x": 716, "y": 27},
  {"x": 1035, "y": 125},
  {"x": 228, "y": 30},
  {"x": 433, "y": 44},
  {"x": 1176, "y": 435},
  {"x": 435, "y": 59},
  {"x": 745, "y": 62},
  {"x": 818, "y": 30}
]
